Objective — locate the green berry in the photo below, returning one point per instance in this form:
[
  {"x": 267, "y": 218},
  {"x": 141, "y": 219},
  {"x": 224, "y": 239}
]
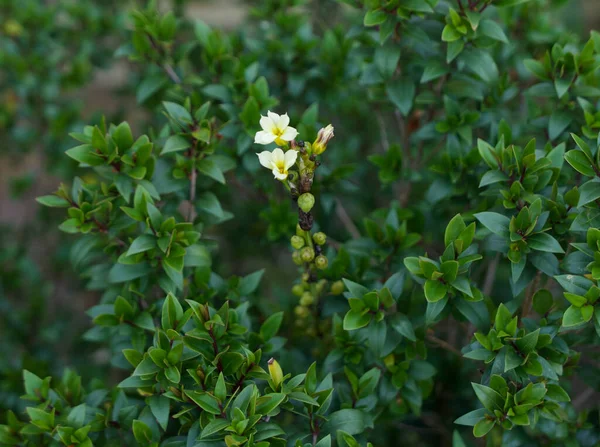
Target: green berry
[
  {"x": 321, "y": 262},
  {"x": 298, "y": 289},
  {"x": 301, "y": 311},
  {"x": 306, "y": 201},
  {"x": 307, "y": 254},
  {"x": 320, "y": 238},
  {"x": 297, "y": 242},
  {"x": 307, "y": 299},
  {"x": 297, "y": 258},
  {"x": 337, "y": 288}
]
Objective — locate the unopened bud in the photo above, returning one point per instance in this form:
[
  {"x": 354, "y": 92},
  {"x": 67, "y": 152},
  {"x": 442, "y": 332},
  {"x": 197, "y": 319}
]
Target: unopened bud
[
  {"x": 337, "y": 288},
  {"x": 321, "y": 262},
  {"x": 298, "y": 290},
  {"x": 307, "y": 254},
  {"x": 323, "y": 137},
  {"x": 275, "y": 372},
  {"x": 306, "y": 202},
  {"x": 297, "y": 242},
  {"x": 320, "y": 238},
  {"x": 307, "y": 299}
]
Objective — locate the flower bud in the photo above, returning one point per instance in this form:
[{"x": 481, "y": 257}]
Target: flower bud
[
  {"x": 321, "y": 262},
  {"x": 298, "y": 290},
  {"x": 307, "y": 254},
  {"x": 320, "y": 238},
  {"x": 275, "y": 372},
  {"x": 306, "y": 201},
  {"x": 297, "y": 242},
  {"x": 337, "y": 288},
  {"x": 307, "y": 299},
  {"x": 297, "y": 258},
  {"x": 305, "y": 277},
  {"x": 323, "y": 137}
]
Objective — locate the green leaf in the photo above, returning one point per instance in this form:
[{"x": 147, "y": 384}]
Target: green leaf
[
  {"x": 351, "y": 421},
  {"x": 324, "y": 442},
  {"x": 588, "y": 192},
  {"x": 421, "y": 370},
  {"x": 492, "y": 30},
  {"x": 557, "y": 393},
  {"x": 248, "y": 284},
  {"x": 214, "y": 426},
  {"x": 53, "y": 201},
  {"x": 375, "y": 17},
  {"x": 85, "y": 154},
  {"x": 559, "y": 121},
  {"x": 483, "y": 427},
  {"x": 178, "y": 113},
  {"x": 175, "y": 143},
  {"x": 141, "y": 432},
  {"x": 208, "y": 167},
  {"x": 402, "y": 92},
  {"x": 544, "y": 242},
  {"x": 580, "y": 163},
  {"x": 160, "y": 407},
  {"x": 434, "y": 290},
  {"x": 490, "y": 399},
  {"x": 205, "y": 401},
  {"x": 403, "y": 326},
  {"x": 496, "y": 223},
  {"x": 471, "y": 418},
  {"x": 572, "y": 317},
  {"x": 271, "y": 326},
  {"x": 453, "y": 229},
  {"x": 141, "y": 244},
  {"x": 122, "y": 136},
  {"x": 250, "y": 114},
  {"x": 356, "y": 319},
  {"x": 356, "y": 290}
]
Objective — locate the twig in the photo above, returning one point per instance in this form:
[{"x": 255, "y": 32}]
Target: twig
[
  {"x": 529, "y": 297},
  {"x": 385, "y": 142},
  {"x": 444, "y": 344},
  {"x": 580, "y": 400},
  {"x": 346, "y": 220},
  {"x": 193, "y": 179},
  {"x": 165, "y": 65},
  {"x": 490, "y": 275}
]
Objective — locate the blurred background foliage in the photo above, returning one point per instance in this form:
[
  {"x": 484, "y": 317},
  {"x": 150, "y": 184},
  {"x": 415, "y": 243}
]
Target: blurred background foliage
[{"x": 61, "y": 66}]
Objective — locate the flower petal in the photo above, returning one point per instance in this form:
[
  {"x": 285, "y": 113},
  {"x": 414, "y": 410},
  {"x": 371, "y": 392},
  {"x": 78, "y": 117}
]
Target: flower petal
[
  {"x": 279, "y": 175},
  {"x": 265, "y": 159},
  {"x": 273, "y": 117},
  {"x": 284, "y": 121},
  {"x": 290, "y": 158},
  {"x": 267, "y": 124},
  {"x": 263, "y": 137},
  {"x": 277, "y": 156},
  {"x": 289, "y": 134}
]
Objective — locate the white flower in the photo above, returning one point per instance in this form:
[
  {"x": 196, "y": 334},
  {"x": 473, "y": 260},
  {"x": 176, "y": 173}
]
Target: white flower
[
  {"x": 278, "y": 161},
  {"x": 275, "y": 128}
]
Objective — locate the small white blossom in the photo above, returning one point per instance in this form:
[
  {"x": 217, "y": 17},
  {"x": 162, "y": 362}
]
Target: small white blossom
[
  {"x": 278, "y": 161},
  {"x": 275, "y": 129}
]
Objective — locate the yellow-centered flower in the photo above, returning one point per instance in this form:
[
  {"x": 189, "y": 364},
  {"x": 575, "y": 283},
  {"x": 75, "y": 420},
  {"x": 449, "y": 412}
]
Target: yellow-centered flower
[
  {"x": 275, "y": 129},
  {"x": 278, "y": 161}
]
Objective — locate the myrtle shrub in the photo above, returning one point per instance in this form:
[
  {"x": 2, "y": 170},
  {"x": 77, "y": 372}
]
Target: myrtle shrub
[{"x": 420, "y": 266}]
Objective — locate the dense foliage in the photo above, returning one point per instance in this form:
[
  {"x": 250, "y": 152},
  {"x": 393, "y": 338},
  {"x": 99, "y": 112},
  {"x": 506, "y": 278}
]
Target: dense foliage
[{"x": 420, "y": 266}]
